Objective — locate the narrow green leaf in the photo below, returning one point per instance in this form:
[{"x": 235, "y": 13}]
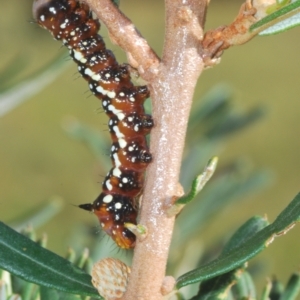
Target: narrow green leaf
[
  {"x": 218, "y": 194},
  {"x": 14, "y": 94},
  {"x": 276, "y": 290},
  {"x": 40, "y": 215},
  {"x": 281, "y": 20},
  {"x": 214, "y": 103},
  {"x": 27, "y": 260},
  {"x": 246, "y": 231},
  {"x": 247, "y": 250},
  {"x": 28, "y": 290},
  {"x": 234, "y": 122},
  {"x": 12, "y": 69},
  {"x": 200, "y": 181},
  {"x": 244, "y": 288},
  {"x": 48, "y": 294},
  {"x": 197, "y": 185},
  {"x": 292, "y": 289},
  {"x": 218, "y": 287},
  {"x": 266, "y": 291}
]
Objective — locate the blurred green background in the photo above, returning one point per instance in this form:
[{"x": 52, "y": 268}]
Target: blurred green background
[{"x": 38, "y": 160}]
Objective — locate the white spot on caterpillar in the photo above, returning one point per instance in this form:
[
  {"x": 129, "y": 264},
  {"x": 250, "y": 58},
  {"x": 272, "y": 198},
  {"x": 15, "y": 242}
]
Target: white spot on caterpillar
[
  {"x": 125, "y": 179},
  {"x": 114, "y": 232},
  {"x": 122, "y": 143},
  {"x": 117, "y": 172},
  {"x": 136, "y": 128},
  {"x": 120, "y": 116},
  {"x": 116, "y": 160},
  {"x": 116, "y": 112},
  {"x": 119, "y": 134},
  {"x": 130, "y": 148},
  {"x": 42, "y": 18},
  {"x": 96, "y": 77},
  {"x": 63, "y": 25},
  {"x": 111, "y": 94},
  {"x": 88, "y": 72},
  {"x": 101, "y": 90},
  {"x": 52, "y": 10},
  {"x": 79, "y": 56},
  {"x": 102, "y": 224},
  {"x": 108, "y": 185},
  {"x": 122, "y": 94},
  {"x": 118, "y": 205},
  {"x": 107, "y": 198},
  {"x": 131, "y": 99}
]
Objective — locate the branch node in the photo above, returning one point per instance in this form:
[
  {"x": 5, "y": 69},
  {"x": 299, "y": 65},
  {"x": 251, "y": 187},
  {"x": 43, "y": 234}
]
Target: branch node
[
  {"x": 237, "y": 33},
  {"x": 167, "y": 288},
  {"x": 139, "y": 230},
  {"x": 187, "y": 16}
]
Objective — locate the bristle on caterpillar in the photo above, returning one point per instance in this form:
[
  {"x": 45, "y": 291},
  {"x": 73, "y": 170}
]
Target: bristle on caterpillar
[{"x": 71, "y": 22}]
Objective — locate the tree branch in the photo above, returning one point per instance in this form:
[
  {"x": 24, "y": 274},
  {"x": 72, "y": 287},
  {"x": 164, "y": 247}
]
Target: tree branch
[
  {"x": 124, "y": 34},
  {"x": 171, "y": 93}
]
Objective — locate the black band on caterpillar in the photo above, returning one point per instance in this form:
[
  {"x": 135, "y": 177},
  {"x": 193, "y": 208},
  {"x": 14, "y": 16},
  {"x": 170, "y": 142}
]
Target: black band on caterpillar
[{"x": 72, "y": 22}]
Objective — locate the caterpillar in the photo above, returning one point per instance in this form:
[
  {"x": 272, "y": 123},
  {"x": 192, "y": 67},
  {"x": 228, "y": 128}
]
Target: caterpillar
[{"x": 71, "y": 22}]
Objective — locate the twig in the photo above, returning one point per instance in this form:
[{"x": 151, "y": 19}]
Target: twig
[
  {"x": 172, "y": 93},
  {"x": 217, "y": 40},
  {"x": 124, "y": 34}
]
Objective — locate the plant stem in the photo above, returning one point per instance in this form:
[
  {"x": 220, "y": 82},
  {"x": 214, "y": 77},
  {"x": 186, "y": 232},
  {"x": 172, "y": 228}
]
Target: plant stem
[
  {"x": 172, "y": 90},
  {"x": 171, "y": 93}
]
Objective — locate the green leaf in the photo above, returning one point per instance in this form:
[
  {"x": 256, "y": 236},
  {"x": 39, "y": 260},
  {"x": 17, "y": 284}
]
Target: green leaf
[
  {"x": 282, "y": 19},
  {"x": 292, "y": 289},
  {"x": 244, "y": 288},
  {"x": 15, "y": 94},
  {"x": 215, "y": 103},
  {"x": 266, "y": 291},
  {"x": 218, "y": 194},
  {"x": 246, "y": 231},
  {"x": 40, "y": 215},
  {"x": 222, "y": 283},
  {"x": 49, "y": 294},
  {"x": 276, "y": 290},
  {"x": 234, "y": 122},
  {"x": 217, "y": 288},
  {"x": 199, "y": 182},
  {"x": 27, "y": 260},
  {"x": 250, "y": 248}
]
